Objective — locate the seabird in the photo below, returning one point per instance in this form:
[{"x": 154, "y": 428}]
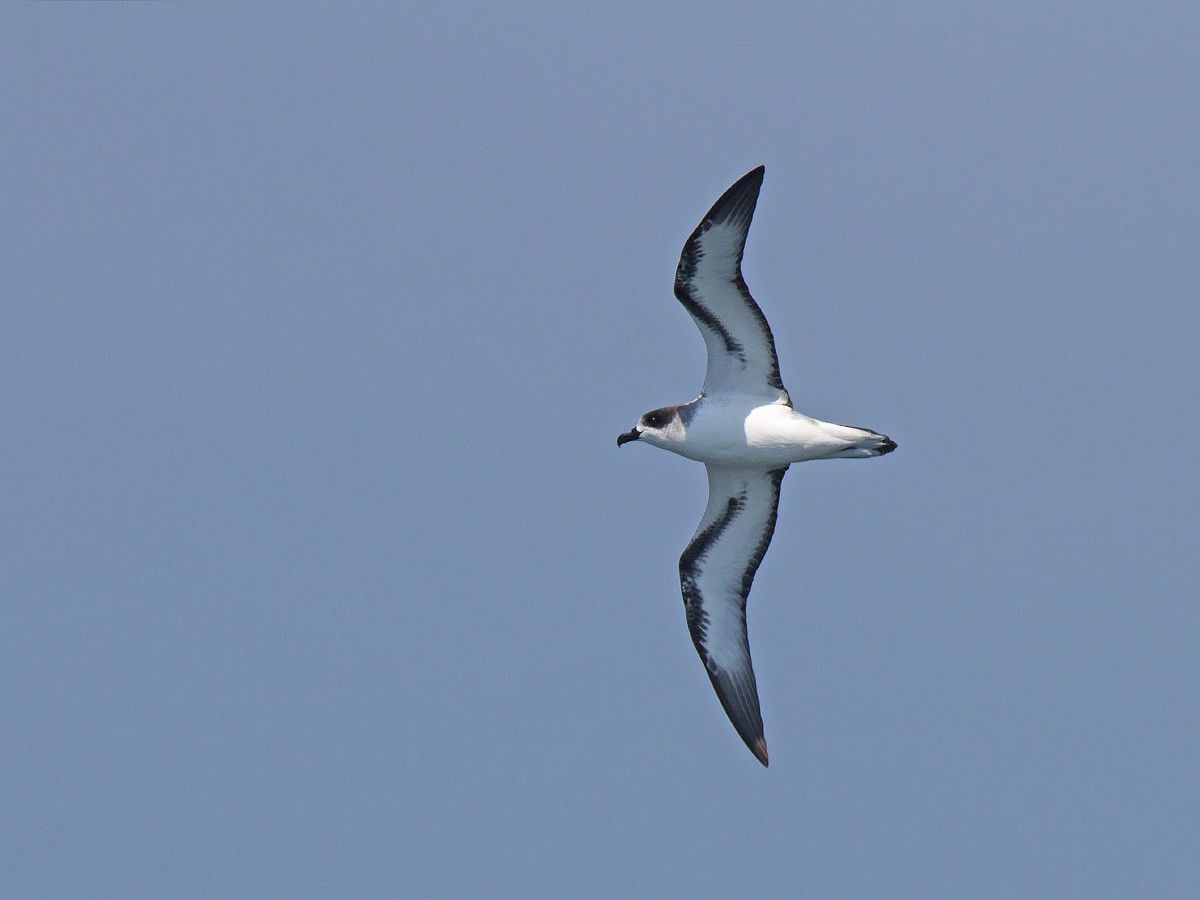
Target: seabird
[{"x": 745, "y": 431}]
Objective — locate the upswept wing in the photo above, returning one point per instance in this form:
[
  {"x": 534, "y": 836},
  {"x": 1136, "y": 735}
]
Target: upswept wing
[
  {"x": 715, "y": 573},
  {"x": 709, "y": 284}
]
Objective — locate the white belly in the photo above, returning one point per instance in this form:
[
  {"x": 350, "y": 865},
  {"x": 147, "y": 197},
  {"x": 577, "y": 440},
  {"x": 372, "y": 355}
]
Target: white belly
[{"x": 768, "y": 436}]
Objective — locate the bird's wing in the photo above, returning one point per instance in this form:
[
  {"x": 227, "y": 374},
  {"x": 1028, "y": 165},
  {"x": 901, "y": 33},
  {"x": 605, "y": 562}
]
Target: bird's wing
[
  {"x": 709, "y": 284},
  {"x": 715, "y": 573}
]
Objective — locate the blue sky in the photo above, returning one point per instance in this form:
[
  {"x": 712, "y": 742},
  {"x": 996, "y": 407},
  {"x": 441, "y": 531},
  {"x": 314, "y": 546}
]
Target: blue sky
[{"x": 323, "y": 575}]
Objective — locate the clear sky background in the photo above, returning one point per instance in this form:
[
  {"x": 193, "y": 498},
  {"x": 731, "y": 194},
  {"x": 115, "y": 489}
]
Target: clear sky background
[{"x": 323, "y": 575}]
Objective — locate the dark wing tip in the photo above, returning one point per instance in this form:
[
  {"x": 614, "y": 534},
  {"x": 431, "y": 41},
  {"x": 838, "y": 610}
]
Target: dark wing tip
[
  {"x": 760, "y": 751},
  {"x": 739, "y": 696},
  {"x": 753, "y": 177},
  {"x": 739, "y": 201}
]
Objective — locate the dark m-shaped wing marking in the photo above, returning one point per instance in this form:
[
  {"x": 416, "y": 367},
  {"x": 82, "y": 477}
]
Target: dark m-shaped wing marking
[
  {"x": 709, "y": 284},
  {"x": 715, "y": 574}
]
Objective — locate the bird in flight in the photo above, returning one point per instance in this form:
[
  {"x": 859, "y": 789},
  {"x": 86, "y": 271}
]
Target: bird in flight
[{"x": 745, "y": 431}]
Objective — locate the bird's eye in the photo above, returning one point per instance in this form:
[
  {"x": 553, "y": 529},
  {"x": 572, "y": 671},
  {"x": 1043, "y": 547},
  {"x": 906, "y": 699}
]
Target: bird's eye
[{"x": 658, "y": 418}]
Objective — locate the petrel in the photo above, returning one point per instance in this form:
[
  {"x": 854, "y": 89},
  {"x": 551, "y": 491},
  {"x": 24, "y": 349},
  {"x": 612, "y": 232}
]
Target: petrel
[{"x": 745, "y": 431}]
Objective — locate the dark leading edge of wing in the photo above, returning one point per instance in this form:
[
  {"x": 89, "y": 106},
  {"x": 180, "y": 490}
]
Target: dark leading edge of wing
[
  {"x": 709, "y": 284},
  {"x": 715, "y": 574}
]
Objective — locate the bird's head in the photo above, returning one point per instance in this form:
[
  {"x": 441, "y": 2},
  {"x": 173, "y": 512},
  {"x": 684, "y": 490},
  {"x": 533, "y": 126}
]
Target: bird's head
[{"x": 659, "y": 428}]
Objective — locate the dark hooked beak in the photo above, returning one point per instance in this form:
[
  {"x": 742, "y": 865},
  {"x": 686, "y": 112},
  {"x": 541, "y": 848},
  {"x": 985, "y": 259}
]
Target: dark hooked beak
[{"x": 628, "y": 436}]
